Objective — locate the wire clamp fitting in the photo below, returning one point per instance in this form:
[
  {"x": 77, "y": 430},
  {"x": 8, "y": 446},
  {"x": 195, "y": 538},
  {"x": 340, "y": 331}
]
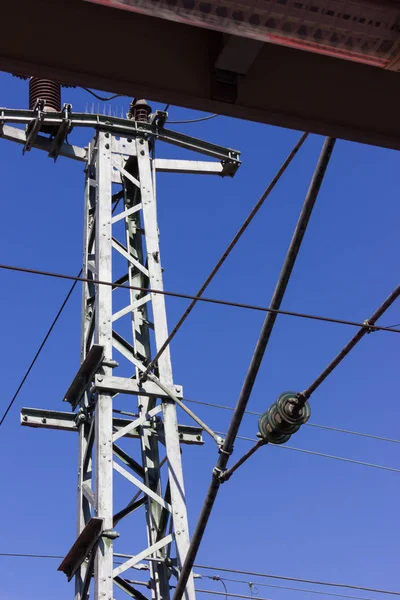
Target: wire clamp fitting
[
  {"x": 222, "y": 450},
  {"x": 369, "y": 326},
  {"x": 219, "y": 474}
]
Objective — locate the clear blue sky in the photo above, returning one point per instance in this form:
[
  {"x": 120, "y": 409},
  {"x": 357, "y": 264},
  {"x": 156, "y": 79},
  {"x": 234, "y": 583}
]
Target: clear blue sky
[{"x": 284, "y": 512}]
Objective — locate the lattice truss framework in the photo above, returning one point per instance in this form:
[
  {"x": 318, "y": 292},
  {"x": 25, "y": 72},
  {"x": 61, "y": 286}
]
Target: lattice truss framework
[
  {"x": 103, "y": 248},
  {"x": 122, "y": 330}
]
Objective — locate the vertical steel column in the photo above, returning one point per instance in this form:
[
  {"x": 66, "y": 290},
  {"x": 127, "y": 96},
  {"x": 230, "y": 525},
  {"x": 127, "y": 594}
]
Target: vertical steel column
[
  {"x": 149, "y": 208},
  {"x": 141, "y": 341},
  {"x": 87, "y": 320},
  {"x": 103, "y": 411}
]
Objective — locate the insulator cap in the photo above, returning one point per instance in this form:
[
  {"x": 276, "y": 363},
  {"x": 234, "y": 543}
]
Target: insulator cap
[
  {"x": 283, "y": 418},
  {"x": 47, "y": 90},
  {"x": 139, "y": 110}
]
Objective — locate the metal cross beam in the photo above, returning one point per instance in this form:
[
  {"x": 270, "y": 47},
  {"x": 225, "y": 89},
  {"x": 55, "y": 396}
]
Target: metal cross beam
[{"x": 122, "y": 331}]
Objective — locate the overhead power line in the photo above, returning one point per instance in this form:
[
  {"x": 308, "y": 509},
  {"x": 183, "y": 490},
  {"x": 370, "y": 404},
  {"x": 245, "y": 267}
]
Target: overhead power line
[
  {"x": 230, "y": 594},
  {"x": 39, "y": 350},
  {"x": 237, "y": 572},
  {"x": 102, "y": 98},
  {"x": 259, "y": 351},
  {"x": 282, "y": 587},
  {"x": 369, "y": 323},
  {"x": 315, "y": 425},
  {"x": 229, "y": 249},
  {"x": 300, "y": 580},
  {"x": 20, "y": 555},
  {"x": 197, "y": 298},
  {"x": 193, "y": 120},
  {"x": 315, "y": 453}
]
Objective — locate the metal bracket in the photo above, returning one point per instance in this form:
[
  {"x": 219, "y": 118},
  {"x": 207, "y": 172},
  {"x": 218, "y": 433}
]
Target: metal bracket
[
  {"x": 66, "y": 421},
  {"x": 82, "y": 547},
  {"x": 125, "y": 385},
  {"x": 32, "y": 131},
  {"x": 61, "y": 133},
  {"x": 124, "y": 127},
  {"x": 85, "y": 374}
]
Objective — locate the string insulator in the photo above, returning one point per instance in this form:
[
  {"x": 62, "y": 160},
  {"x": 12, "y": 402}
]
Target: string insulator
[{"x": 283, "y": 418}]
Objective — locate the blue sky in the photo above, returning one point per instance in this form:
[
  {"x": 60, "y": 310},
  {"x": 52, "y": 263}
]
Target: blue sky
[{"x": 284, "y": 512}]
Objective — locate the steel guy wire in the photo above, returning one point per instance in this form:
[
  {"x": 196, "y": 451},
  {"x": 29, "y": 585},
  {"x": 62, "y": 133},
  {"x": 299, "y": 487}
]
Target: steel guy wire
[
  {"x": 39, "y": 350},
  {"x": 254, "y": 307}
]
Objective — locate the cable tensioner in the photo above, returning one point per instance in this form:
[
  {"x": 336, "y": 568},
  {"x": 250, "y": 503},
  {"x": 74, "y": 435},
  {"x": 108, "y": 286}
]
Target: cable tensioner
[{"x": 283, "y": 418}]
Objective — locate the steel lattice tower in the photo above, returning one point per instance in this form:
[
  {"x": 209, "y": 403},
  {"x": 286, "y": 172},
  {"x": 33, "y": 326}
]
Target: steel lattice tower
[{"x": 122, "y": 331}]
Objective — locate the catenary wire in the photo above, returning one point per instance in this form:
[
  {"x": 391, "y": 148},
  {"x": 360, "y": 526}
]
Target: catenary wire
[
  {"x": 303, "y": 397},
  {"x": 254, "y": 307},
  {"x": 45, "y": 339},
  {"x": 230, "y": 594},
  {"x": 235, "y": 571},
  {"x": 39, "y": 350},
  {"x": 255, "y": 362},
  {"x": 229, "y": 248},
  {"x": 102, "y": 98},
  {"x": 315, "y": 425},
  {"x": 300, "y": 580},
  {"x": 193, "y": 120},
  {"x": 315, "y": 453},
  {"x": 222, "y": 581},
  {"x": 282, "y": 587}
]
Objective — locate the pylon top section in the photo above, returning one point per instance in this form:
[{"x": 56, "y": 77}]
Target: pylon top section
[{"x": 62, "y": 123}]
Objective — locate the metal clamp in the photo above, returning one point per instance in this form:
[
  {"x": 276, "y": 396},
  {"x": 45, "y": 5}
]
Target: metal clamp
[{"x": 369, "y": 326}]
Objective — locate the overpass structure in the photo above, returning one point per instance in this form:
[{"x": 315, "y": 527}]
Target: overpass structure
[{"x": 328, "y": 67}]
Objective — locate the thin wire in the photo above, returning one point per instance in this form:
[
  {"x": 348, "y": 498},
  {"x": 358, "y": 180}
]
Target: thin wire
[
  {"x": 299, "y": 580},
  {"x": 236, "y": 571},
  {"x": 197, "y": 298},
  {"x": 230, "y": 594},
  {"x": 314, "y": 453},
  {"x": 39, "y": 350},
  {"x": 218, "y": 578},
  {"x": 19, "y": 555},
  {"x": 193, "y": 120},
  {"x": 336, "y": 429},
  {"x": 102, "y": 98},
  {"x": 357, "y": 337},
  {"x": 283, "y": 587},
  {"x": 236, "y": 238}
]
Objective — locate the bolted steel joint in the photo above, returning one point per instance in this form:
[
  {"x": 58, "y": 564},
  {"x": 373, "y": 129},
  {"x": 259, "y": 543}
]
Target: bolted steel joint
[{"x": 110, "y": 534}]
